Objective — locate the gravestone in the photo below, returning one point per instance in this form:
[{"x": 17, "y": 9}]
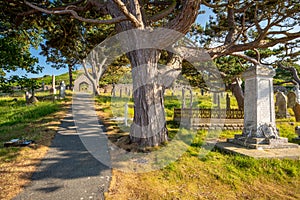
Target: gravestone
[
  {"x": 259, "y": 112},
  {"x": 292, "y": 98},
  {"x": 27, "y": 97},
  {"x": 62, "y": 89},
  {"x": 43, "y": 86},
  {"x": 53, "y": 89},
  {"x": 281, "y": 103}
]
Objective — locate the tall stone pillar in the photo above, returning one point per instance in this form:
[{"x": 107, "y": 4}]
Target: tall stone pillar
[
  {"x": 259, "y": 107},
  {"x": 53, "y": 85},
  {"x": 259, "y": 112}
]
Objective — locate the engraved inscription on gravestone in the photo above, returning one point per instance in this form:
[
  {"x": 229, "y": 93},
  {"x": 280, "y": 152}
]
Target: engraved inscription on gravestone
[
  {"x": 264, "y": 101},
  {"x": 250, "y": 114}
]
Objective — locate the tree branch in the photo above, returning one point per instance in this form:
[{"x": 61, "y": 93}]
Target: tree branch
[
  {"x": 231, "y": 25},
  {"x": 256, "y": 21},
  {"x": 290, "y": 81},
  {"x": 158, "y": 3},
  {"x": 164, "y": 12},
  {"x": 293, "y": 70},
  {"x": 187, "y": 16},
  {"x": 76, "y": 16},
  {"x": 129, "y": 15},
  {"x": 291, "y": 36},
  {"x": 214, "y": 6},
  {"x": 257, "y": 55},
  {"x": 248, "y": 58}
]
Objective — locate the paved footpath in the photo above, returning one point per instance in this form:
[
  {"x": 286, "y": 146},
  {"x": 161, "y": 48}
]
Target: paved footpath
[{"x": 71, "y": 170}]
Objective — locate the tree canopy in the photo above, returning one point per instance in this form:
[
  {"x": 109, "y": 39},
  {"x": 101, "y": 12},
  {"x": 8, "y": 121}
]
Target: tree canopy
[
  {"x": 239, "y": 28},
  {"x": 15, "y": 44}
]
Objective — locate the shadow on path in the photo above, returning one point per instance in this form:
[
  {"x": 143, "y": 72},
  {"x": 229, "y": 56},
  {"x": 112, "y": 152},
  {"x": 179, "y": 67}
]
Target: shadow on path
[{"x": 68, "y": 171}]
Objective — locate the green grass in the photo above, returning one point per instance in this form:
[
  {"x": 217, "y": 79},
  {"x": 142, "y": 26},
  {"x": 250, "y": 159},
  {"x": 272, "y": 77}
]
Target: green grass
[
  {"x": 18, "y": 120},
  {"x": 204, "y": 174},
  {"x": 214, "y": 176}
]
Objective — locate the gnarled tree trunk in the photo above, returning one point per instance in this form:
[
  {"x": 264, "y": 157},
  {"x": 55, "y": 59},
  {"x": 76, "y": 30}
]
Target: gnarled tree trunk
[
  {"x": 237, "y": 91},
  {"x": 149, "y": 124}
]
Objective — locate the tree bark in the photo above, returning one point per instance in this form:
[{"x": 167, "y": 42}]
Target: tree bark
[
  {"x": 237, "y": 92},
  {"x": 149, "y": 123}
]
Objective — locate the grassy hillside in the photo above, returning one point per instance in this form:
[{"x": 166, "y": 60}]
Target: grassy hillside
[{"x": 63, "y": 77}]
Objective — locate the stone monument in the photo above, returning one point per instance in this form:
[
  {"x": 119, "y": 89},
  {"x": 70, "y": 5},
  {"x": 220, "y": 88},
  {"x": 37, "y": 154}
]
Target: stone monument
[
  {"x": 27, "y": 97},
  {"x": 43, "y": 86},
  {"x": 291, "y": 99},
  {"x": 259, "y": 112},
  {"x": 281, "y": 103},
  {"x": 62, "y": 89},
  {"x": 53, "y": 89}
]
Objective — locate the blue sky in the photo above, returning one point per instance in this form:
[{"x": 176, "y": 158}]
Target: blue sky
[{"x": 48, "y": 70}]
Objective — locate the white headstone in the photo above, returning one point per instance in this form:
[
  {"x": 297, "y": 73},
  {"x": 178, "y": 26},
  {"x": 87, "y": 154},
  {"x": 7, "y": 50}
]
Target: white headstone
[
  {"x": 53, "y": 85},
  {"x": 27, "y": 96},
  {"x": 62, "y": 89}
]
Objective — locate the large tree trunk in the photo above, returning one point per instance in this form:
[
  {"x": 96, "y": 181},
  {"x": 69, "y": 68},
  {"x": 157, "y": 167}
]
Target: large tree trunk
[
  {"x": 149, "y": 123},
  {"x": 237, "y": 91}
]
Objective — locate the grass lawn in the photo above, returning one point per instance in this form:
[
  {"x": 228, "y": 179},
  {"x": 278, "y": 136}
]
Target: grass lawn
[
  {"x": 36, "y": 122},
  {"x": 215, "y": 176}
]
